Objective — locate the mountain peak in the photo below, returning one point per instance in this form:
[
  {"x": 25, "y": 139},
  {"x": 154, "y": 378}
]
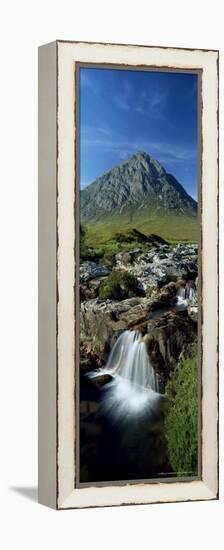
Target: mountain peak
[
  {"x": 147, "y": 162},
  {"x": 141, "y": 154},
  {"x": 139, "y": 183}
]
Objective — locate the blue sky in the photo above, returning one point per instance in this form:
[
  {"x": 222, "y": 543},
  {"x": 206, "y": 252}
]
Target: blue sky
[{"x": 125, "y": 111}]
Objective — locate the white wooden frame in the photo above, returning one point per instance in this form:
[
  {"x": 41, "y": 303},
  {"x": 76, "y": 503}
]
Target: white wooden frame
[{"x": 57, "y": 62}]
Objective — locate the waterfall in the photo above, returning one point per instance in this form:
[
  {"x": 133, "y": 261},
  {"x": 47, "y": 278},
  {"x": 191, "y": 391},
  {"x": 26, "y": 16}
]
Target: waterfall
[
  {"x": 183, "y": 297},
  {"x": 181, "y": 293},
  {"x": 189, "y": 293},
  {"x": 134, "y": 388},
  {"x": 129, "y": 359}
]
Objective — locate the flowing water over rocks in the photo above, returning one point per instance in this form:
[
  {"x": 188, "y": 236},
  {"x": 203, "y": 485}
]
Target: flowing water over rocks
[
  {"x": 133, "y": 390},
  {"x": 129, "y": 349}
]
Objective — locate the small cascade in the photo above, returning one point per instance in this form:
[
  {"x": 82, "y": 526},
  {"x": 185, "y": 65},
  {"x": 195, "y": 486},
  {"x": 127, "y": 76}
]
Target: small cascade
[
  {"x": 129, "y": 359},
  {"x": 134, "y": 388},
  {"x": 181, "y": 293},
  {"x": 184, "y": 296},
  {"x": 189, "y": 293}
]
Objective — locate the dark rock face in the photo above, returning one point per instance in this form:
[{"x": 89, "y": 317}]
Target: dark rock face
[
  {"x": 169, "y": 337},
  {"x": 138, "y": 183},
  {"x": 101, "y": 380},
  {"x": 102, "y": 322}
]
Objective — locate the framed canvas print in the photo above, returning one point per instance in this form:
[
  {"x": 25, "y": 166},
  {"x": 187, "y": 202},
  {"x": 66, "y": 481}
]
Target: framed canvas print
[{"x": 128, "y": 274}]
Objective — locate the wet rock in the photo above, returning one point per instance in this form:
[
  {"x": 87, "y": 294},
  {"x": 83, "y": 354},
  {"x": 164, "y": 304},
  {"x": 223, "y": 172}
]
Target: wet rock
[
  {"x": 193, "y": 313},
  {"x": 185, "y": 250},
  {"x": 90, "y": 289},
  {"x": 102, "y": 322},
  {"x": 124, "y": 258},
  {"x": 91, "y": 270},
  {"x": 164, "y": 301},
  {"x": 169, "y": 289},
  {"x": 89, "y": 360},
  {"x": 167, "y": 338},
  {"x": 160, "y": 265},
  {"x": 101, "y": 379}
]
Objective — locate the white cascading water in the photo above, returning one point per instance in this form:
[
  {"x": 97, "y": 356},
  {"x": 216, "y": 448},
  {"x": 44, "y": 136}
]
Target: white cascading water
[
  {"x": 134, "y": 387},
  {"x": 130, "y": 360},
  {"x": 183, "y": 297}
]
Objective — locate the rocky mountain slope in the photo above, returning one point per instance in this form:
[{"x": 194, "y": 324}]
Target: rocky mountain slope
[{"x": 138, "y": 186}]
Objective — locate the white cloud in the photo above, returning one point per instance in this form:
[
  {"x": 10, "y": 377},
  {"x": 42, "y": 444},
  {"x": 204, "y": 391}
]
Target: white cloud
[
  {"x": 104, "y": 130},
  {"x": 86, "y": 83},
  {"x": 121, "y": 102},
  {"x": 152, "y": 102},
  {"x": 167, "y": 152},
  {"x": 123, "y": 99}
]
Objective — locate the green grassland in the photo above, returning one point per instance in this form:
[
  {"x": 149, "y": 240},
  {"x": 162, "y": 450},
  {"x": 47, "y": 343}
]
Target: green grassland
[
  {"x": 102, "y": 234},
  {"x": 181, "y": 423}
]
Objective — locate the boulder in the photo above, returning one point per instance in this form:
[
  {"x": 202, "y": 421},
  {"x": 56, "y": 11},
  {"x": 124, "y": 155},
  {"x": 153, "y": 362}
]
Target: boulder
[
  {"x": 122, "y": 259},
  {"x": 90, "y": 289},
  {"x": 193, "y": 313},
  {"x": 101, "y": 379},
  {"x": 91, "y": 270},
  {"x": 160, "y": 265}
]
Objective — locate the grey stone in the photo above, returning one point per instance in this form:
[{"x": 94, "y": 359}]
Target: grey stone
[{"x": 91, "y": 270}]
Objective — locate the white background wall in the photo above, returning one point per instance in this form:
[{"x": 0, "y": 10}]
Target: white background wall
[{"x": 25, "y": 25}]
